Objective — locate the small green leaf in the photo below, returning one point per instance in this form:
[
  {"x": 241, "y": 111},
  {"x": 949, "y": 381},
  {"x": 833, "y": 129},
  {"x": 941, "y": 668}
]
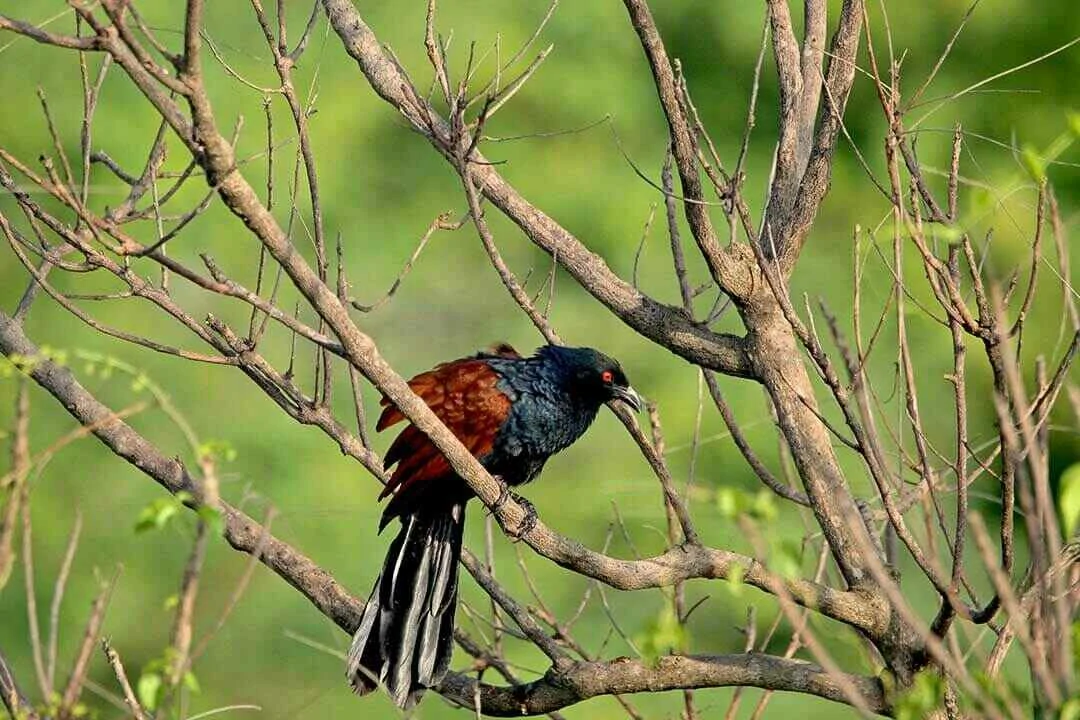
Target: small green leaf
[
  {"x": 926, "y": 694},
  {"x": 218, "y": 450},
  {"x": 191, "y": 682},
  {"x": 1034, "y": 163},
  {"x": 1070, "y": 710},
  {"x": 1076, "y": 643},
  {"x": 1069, "y": 498},
  {"x": 735, "y": 579},
  {"x": 1073, "y": 118},
  {"x": 763, "y": 506},
  {"x": 663, "y": 635},
  {"x": 148, "y": 688},
  {"x": 727, "y": 502},
  {"x": 213, "y": 518},
  {"x": 157, "y": 514}
]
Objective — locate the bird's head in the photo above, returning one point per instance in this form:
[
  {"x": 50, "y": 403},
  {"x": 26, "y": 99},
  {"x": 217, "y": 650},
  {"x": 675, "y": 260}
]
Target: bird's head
[{"x": 591, "y": 375}]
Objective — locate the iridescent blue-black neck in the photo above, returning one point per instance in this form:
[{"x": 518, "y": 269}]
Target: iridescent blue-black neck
[{"x": 552, "y": 407}]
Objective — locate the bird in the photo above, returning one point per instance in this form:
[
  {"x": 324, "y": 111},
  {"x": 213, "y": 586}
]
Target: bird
[{"x": 512, "y": 413}]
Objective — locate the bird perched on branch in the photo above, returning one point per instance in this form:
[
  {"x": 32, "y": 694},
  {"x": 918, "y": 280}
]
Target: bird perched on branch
[{"x": 512, "y": 413}]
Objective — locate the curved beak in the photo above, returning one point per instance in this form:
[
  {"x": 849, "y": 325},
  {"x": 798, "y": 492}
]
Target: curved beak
[{"x": 629, "y": 396}]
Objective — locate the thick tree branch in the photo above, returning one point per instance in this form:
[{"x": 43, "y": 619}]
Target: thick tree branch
[
  {"x": 795, "y": 198},
  {"x": 786, "y": 172},
  {"x": 815, "y": 18},
  {"x": 623, "y": 676}
]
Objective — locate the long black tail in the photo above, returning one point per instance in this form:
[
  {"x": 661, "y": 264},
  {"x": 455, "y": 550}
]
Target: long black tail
[{"x": 405, "y": 638}]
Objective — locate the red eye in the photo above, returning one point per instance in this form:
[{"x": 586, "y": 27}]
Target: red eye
[{"x": 607, "y": 376}]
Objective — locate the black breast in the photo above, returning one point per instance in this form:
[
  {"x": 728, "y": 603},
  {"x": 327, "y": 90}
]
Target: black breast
[{"x": 544, "y": 420}]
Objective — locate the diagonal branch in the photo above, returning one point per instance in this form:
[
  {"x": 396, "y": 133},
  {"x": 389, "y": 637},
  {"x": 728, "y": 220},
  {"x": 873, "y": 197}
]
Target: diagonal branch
[
  {"x": 786, "y": 231},
  {"x": 17, "y": 704},
  {"x": 727, "y": 270}
]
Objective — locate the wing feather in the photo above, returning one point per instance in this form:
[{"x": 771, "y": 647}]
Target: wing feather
[{"x": 464, "y": 394}]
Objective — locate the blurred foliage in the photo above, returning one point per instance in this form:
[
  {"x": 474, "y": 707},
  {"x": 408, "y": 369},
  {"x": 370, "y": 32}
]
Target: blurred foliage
[{"x": 381, "y": 185}]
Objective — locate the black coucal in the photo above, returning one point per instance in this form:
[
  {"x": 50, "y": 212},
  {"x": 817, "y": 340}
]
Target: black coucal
[{"x": 512, "y": 413}]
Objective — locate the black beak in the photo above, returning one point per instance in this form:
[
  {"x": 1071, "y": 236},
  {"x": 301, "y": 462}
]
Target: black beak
[{"x": 627, "y": 395}]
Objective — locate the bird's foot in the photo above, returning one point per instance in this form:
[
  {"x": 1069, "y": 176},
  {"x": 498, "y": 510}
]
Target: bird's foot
[{"x": 527, "y": 523}]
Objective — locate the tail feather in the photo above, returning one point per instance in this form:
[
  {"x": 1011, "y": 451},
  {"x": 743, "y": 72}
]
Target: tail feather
[
  {"x": 405, "y": 637},
  {"x": 437, "y": 624}
]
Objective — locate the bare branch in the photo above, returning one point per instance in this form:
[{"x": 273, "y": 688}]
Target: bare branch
[
  {"x": 655, "y": 321},
  {"x": 17, "y": 704},
  {"x": 121, "y": 677},
  {"x": 589, "y": 679}
]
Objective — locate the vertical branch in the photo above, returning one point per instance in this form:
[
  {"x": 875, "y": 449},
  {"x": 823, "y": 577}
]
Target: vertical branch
[
  {"x": 677, "y": 255},
  {"x": 785, "y": 171},
  {"x": 58, "y": 597},
  {"x": 959, "y": 382},
  {"x": 121, "y": 677},
  {"x": 284, "y": 63},
  {"x": 31, "y": 591},
  {"x": 815, "y": 18},
  {"x": 17, "y": 704},
  {"x": 77, "y": 679},
  {"x": 20, "y": 465},
  {"x": 814, "y": 182},
  {"x": 726, "y": 271},
  {"x": 354, "y": 374},
  {"x": 193, "y": 23}
]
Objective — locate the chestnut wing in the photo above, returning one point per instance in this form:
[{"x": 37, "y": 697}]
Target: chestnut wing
[{"x": 464, "y": 395}]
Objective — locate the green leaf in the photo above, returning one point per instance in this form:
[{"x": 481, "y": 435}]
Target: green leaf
[
  {"x": 213, "y": 518},
  {"x": 1070, "y": 710},
  {"x": 148, "y": 689},
  {"x": 218, "y": 450},
  {"x": 157, "y": 514},
  {"x": 1069, "y": 499},
  {"x": 727, "y": 502},
  {"x": 1034, "y": 163},
  {"x": 191, "y": 682},
  {"x": 663, "y": 635},
  {"x": 735, "y": 579},
  {"x": 763, "y": 506},
  {"x": 1073, "y": 118},
  {"x": 926, "y": 694},
  {"x": 1076, "y": 643},
  {"x": 787, "y": 558}
]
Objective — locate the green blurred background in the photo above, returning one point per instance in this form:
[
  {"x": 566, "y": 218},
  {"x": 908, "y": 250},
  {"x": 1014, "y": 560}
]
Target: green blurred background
[{"x": 381, "y": 187}]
